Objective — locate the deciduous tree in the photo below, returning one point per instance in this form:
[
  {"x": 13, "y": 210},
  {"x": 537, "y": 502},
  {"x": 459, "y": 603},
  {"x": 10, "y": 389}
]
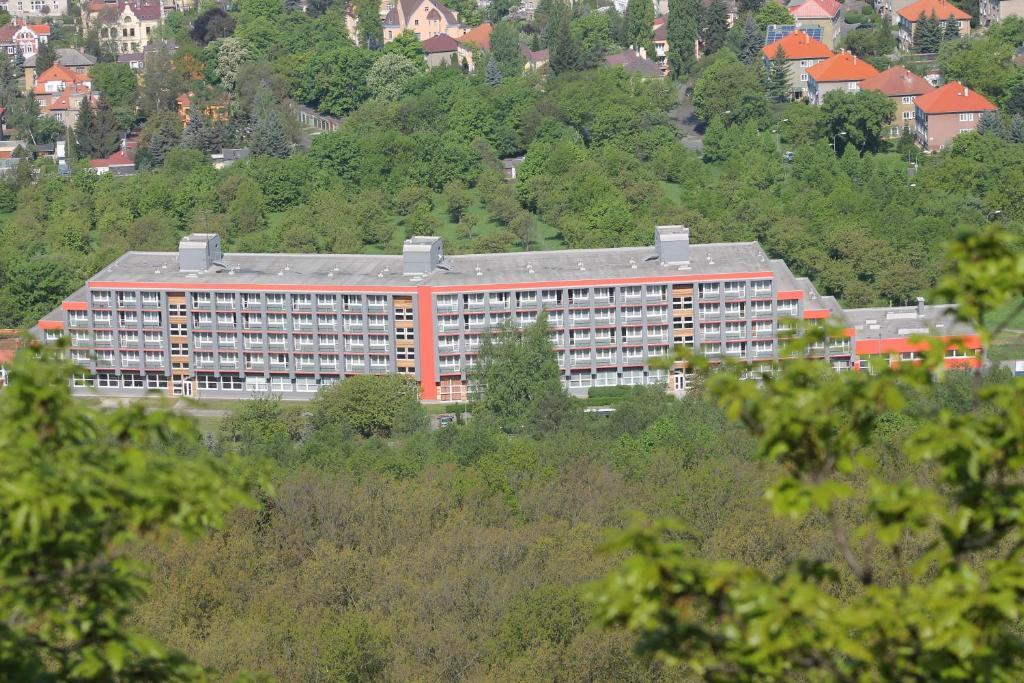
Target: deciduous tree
[{"x": 682, "y": 30}]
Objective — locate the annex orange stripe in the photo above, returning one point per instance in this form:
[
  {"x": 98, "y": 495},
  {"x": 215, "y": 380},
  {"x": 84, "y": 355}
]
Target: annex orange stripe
[
  {"x": 790, "y": 294},
  {"x": 816, "y": 315},
  {"x": 51, "y": 325},
  {"x": 75, "y": 306},
  {"x": 248, "y": 287},
  {"x": 905, "y": 345}
]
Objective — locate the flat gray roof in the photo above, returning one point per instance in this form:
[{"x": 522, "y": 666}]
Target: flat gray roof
[
  {"x": 903, "y": 321},
  {"x": 459, "y": 270}
]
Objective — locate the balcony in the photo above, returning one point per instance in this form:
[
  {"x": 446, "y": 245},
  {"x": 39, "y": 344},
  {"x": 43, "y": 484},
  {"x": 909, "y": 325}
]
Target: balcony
[
  {"x": 581, "y": 341},
  {"x": 735, "y": 293},
  {"x": 449, "y": 368},
  {"x": 202, "y": 325},
  {"x": 125, "y": 363},
  {"x": 448, "y": 348},
  {"x": 302, "y": 305},
  {"x": 379, "y": 327},
  {"x": 706, "y": 295},
  {"x": 273, "y": 305},
  {"x": 474, "y": 305},
  {"x": 581, "y": 322},
  {"x": 154, "y": 362},
  {"x": 355, "y": 329},
  {"x": 198, "y": 304},
  {"x": 451, "y": 307},
  {"x": 254, "y": 364},
  {"x": 250, "y": 305},
  {"x": 549, "y": 304},
  {"x": 278, "y": 365},
  {"x": 328, "y": 365},
  {"x": 207, "y": 364},
  {"x": 734, "y": 314},
  {"x": 379, "y": 348},
  {"x": 581, "y": 362},
  {"x": 377, "y": 306},
  {"x": 735, "y": 333},
  {"x": 763, "y": 353},
  {"x": 229, "y": 365},
  {"x": 101, "y": 303}
]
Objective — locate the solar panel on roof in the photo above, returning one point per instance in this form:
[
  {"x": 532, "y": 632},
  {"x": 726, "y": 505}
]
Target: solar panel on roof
[{"x": 777, "y": 32}]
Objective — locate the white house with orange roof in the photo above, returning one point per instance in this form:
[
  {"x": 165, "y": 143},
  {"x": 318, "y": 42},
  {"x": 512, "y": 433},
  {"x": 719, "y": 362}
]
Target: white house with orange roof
[
  {"x": 22, "y": 37},
  {"x": 823, "y": 14},
  {"x": 801, "y": 52},
  {"x": 474, "y": 41},
  {"x": 425, "y": 18},
  {"x": 943, "y": 10},
  {"x": 843, "y": 72},
  {"x": 59, "y": 92}
]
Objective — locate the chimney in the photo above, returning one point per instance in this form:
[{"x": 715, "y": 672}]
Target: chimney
[
  {"x": 920, "y": 307},
  {"x": 672, "y": 243},
  {"x": 966, "y": 91},
  {"x": 643, "y": 52},
  {"x": 198, "y": 251},
  {"x": 421, "y": 255}
]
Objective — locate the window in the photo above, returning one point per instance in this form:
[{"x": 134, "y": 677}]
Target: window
[
  {"x": 302, "y": 321},
  {"x": 154, "y": 357},
  {"x": 225, "y": 320},
  {"x": 580, "y": 380},
  {"x": 101, "y": 299},
  {"x": 907, "y": 99},
  {"x": 448, "y": 302},
  {"x": 150, "y": 299},
  {"x": 127, "y": 318},
  {"x": 302, "y": 300},
  {"x": 326, "y": 300},
  {"x": 277, "y": 321},
  {"x": 132, "y": 380},
  {"x": 908, "y": 115},
  {"x": 207, "y": 382},
  {"x": 250, "y": 300},
  {"x": 226, "y": 340},
  {"x": 126, "y": 338},
  {"x": 128, "y": 358},
  {"x": 232, "y": 382},
  {"x": 632, "y": 377},
  {"x": 606, "y": 378},
  {"x": 151, "y": 318},
  {"x": 852, "y": 86},
  {"x": 225, "y": 300},
  {"x": 125, "y": 299},
  {"x": 804, "y": 78},
  {"x": 278, "y": 383},
  {"x": 967, "y": 117},
  {"x": 734, "y": 288},
  {"x": 156, "y": 382},
  {"x": 306, "y": 385},
  {"x": 106, "y": 380},
  {"x": 275, "y": 301},
  {"x": 201, "y": 299}
]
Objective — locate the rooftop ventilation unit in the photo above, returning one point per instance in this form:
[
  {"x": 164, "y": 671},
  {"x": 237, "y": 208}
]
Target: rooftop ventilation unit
[
  {"x": 672, "y": 244},
  {"x": 421, "y": 255},
  {"x": 198, "y": 252}
]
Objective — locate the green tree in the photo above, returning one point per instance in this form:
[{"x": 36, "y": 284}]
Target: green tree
[
  {"x": 921, "y": 579},
  {"x": 492, "y": 74},
  {"x": 1017, "y": 129},
  {"x": 505, "y": 48},
  {"x": 682, "y": 30},
  {"x": 640, "y": 25},
  {"x": 211, "y": 25},
  {"x": 390, "y": 75},
  {"x": 772, "y": 12},
  {"x": 564, "y": 49},
  {"x": 81, "y": 484},
  {"x": 371, "y": 31},
  {"x": 370, "y": 405},
  {"x": 458, "y": 199},
  {"x": 860, "y": 115},
  {"x": 163, "y": 83},
  {"x": 517, "y": 375},
  {"x": 778, "y": 77},
  {"x": 45, "y": 57},
  {"x": 991, "y": 122},
  {"x": 408, "y": 45},
  {"x": 729, "y": 90},
  {"x": 715, "y": 26},
  {"x": 120, "y": 88},
  {"x": 951, "y": 30},
  {"x": 751, "y": 42},
  {"x": 269, "y": 137},
  {"x": 334, "y": 81},
  {"x": 927, "y": 34},
  {"x": 1014, "y": 102},
  {"x": 84, "y": 126},
  {"x": 231, "y": 55}
]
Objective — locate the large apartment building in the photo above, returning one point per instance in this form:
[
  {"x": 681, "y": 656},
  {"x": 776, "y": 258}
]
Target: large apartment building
[{"x": 201, "y": 322}]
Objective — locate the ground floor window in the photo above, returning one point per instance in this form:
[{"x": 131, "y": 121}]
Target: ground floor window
[
  {"x": 207, "y": 382},
  {"x": 107, "y": 380},
  {"x": 580, "y": 380},
  {"x": 81, "y": 381},
  {"x": 132, "y": 380},
  {"x": 306, "y": 384},
  {"x": 280, "y": 384},
  {"x": 233, "y": 382},
  {"x": 156, "y": 381}
]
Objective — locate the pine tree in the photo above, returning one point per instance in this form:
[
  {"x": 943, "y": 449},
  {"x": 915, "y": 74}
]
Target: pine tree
[
  {"x": 778, "y": 77},
  {"x": 1017, "y": 129},
  {"x": 750, "y": 42},
  {"x": 1014, "y": 103},
  {"x": 640, "y": 25},
  {"x": 269, "y": 136},
  {"x": 952, "y": 30},
  {"x": 562, "y": 44},
  {"x": 83, "y": 130},
  {"x": 106, "y": 137},
  {"x": 715, "y": 26},
  {"x": 44, "y": 57},
  {"x": 194, "y": 136},
  {"x": 990, "y": 122},
  {"x": 927, "y": 34},
  {"x": 682, "y": 30},
  {"x": 492, "y": 74},
  {"x": 371, "y": 31}
]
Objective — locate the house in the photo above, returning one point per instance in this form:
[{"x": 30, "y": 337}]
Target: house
[
  {"x": 510, "y": 167},
  {"x": 535, "y": 59},
  {"x": 134, "y": 60},
  {"x": 661, "y": 42},
  {"x": 124, "y": 27},
  {"x": 73, "y": 60},
  {"x": 9, "y": 149},
  {"x": 441, "y": 50},
  {"x": 635, "y": 63},
  {"x": 118, "y": 163},
  {"x": 216, "y": 112},
  {"x": 945, "y": 112},
  {"x": 59, "y": 92},
  {"x": 19, "y": 36},
  {"x": 26, "y": 9},
  {"x": 991, "y": 11},
  {"x": 477, "y": 39},
  {"x": 843, "y": 71},
  {"x": 943, "y": 10},
  {"x": 802, "y": 52},
  {"x": 425, "y": 18},
  {"x": 902, "y": 87},
  {"x": 823, "y": 14},
  {"x": 226, "y": 157}
]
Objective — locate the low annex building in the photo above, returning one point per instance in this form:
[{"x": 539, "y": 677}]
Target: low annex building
[{"x": 202, "y": 322}]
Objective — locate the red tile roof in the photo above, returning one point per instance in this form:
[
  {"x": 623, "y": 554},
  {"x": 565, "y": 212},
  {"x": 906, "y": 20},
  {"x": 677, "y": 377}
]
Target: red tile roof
[
  {"x": 815, "y": 9},
  {"x": 943, "y": 10},
  {"x": 439, "y": 43},
  {"x": 897, "y": 82},
  {"x": 798, "y": 45},
  {"x": 118, "y": 158},
  {"x": 478, "y": 37},
  {"x": 953, "y": 98},
  {"x": 40, "y": 29},
  {"x": 7, "y": 32},
  {"x": 59, "y": 72},
  {"x": 842, "y": 67}
]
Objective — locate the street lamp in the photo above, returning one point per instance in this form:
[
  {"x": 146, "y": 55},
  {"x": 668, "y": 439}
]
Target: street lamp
[{"x": 837, "y": 135}]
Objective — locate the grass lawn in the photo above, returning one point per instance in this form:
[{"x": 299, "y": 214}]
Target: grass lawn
[{"x": 1008, "y": 344}]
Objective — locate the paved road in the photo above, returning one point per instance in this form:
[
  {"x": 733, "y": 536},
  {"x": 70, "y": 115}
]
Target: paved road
[{"x": 689, "y": 126}]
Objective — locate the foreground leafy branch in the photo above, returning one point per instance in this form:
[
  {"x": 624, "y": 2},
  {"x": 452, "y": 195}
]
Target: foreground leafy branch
[
  {"x": 950, "y": 612},
  {"x": 77, "y": 484}
]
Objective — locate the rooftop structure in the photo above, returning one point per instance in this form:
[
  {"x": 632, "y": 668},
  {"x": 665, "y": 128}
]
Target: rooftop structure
[
  {"x": 897, "y": 81},
  {"x": 797, "y": 45}
]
